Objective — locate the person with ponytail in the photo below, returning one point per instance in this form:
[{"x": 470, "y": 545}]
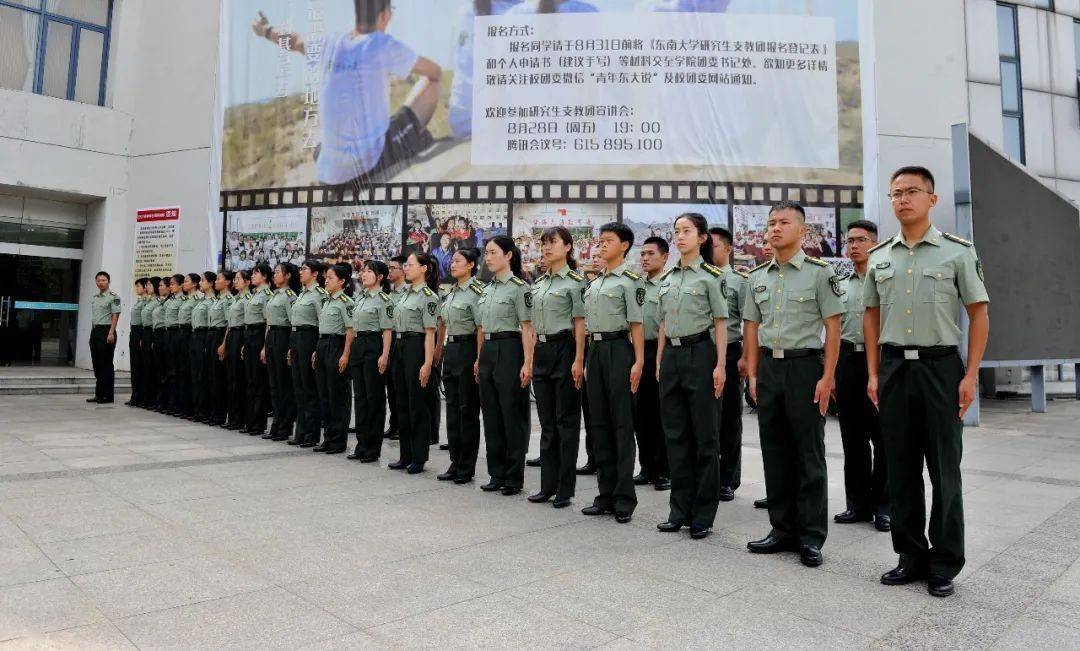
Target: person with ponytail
[
  {"x": 254, "y": 340},
  {"x": 504, "y": 366},
  {"x": 200, "y": 326},
  {"x": 559, "y": 319},
  {"x": 135, "y": 343},
  {"x": 234, "y": 351},
  {"x": 331, "y": 359},
  {"x": 304, "y": 339},
  {"x": 216, "y": 373},
  {"x": 189, "y": 285},
  {"x": 147, "y": 364},
  {"x": 275, "y": 352},
  {"x": 691, "y": 353},
  {"x": 160, "y": 347},
  {"x": 458, "y": 327},
  {"x": 369, "y": 358},
  {"x": 415, "y": 318},
  {"x": 172, "y": 341}
]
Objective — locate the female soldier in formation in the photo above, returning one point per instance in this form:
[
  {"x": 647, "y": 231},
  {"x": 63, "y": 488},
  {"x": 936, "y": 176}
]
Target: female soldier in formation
[
  {"x": 415, "y": 318},
  {"x": 135, "y": 343},
  {"x": 182, "y": 342},
  {"x": 200, "y": 324},
  {"x": 368, "y": 359},
  {"x": 254, "y": 341},
  {"x": 218, "y": 316},
  {"x": 275, "y": 353},
  {"x": 234, "y": 352},
  {"x": 458, "y": 325},
  {"x": 160, "y": 344},
  {"x": 304, "y": 316},
  {"x": 505, "y": 365},
  {"x": 332, "y": 357}
]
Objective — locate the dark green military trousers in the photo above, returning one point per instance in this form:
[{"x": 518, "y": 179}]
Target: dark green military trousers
[
  {"x": 462, "y": 405},
  {"x": 729, "y": 420},
  {"x": 369, "y": 393},
  {"x": 505, "y": 406},
  {"x": 611, "y": 408},
  {"x": 558, "y": 407},
  {"x": 864, "y": 469}
]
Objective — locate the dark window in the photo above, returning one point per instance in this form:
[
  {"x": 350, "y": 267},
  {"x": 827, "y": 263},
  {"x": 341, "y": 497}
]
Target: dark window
[{"x": 1012, "y": 99}]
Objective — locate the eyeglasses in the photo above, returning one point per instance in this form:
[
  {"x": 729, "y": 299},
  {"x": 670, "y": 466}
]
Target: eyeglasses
[
  {"x": 898, "y": 195},
  {"x": 858, "y": 240}
]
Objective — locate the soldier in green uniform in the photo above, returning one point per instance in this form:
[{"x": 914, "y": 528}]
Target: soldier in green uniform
[
  {"x": 791, "y": 298},
  {"x": 616, "y": 359},
  {"x": 216, "y": 372},
  {"x": 161, "y": 345},
  {"x": 173, "y": 342},
  {"x": 558, "y": 316},
  {"x": 151, "y": 384},
  {"x": 652, "y": 449},
  {"x": 398, "y": 289},
  {"x": 917, "y": 282},
  {"x": 373, "y": 319},
  {"x": 135, "y": 344},
  {"x": 276, "y": 351},
  {"x": 458, "y": 325},
  {"x": 415, "y": 319},
  {"x": 864, "y": 474},
  {"x": 303, "y": 341},
  {"x": 729, "y": 416},
  {"x": 200, "y": 326},
  {"x": 692, "y": 368},
  {"x": 234, "y": 351},
  {"x": 254, "y": 340},
  {"x": 332, "y": 359},
  {"x": 184, "y": 392},
  {"x": 104, "y": 314},
  {"x": 505, "y": 364}
]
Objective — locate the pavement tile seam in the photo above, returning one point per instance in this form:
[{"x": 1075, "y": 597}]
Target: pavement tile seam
[{"x": 136, "y": 467}]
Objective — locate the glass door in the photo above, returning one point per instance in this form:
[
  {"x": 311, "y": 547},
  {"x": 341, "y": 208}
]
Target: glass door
[{"x": 40, "y": 310}]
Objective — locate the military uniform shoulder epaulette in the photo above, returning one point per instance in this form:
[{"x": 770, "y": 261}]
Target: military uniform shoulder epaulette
[
  {"x": 711, "y": 269},
  {"x": 517, "y": 281},
  {"x": 384, "y": 296},
  {"x": 476, "y": 288},
  {"x": 818, "y": 261},
  {"x": 740, "y": 273},
  {"x": 631, "y": 275},
  {"x": 322, "y": 291},
  {"x": 575, "y": 275},
  {"x": 267, "y": 291},
  {"x": 344, "y": 298},
  {"x": 427, "y": 292},
  {"x": 666, "y": 273},
  {"x": 760, "y": 266},
  {"x": 879, "y": 245},
  {"x": 112, "y": 293},
  {"x": 290, "y": 292},
  {"x": 957, "y": 239}
]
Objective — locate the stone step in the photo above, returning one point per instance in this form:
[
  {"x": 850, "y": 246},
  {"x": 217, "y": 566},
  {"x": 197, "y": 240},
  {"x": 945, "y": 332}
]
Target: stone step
[{"x": 38, "y": 389}]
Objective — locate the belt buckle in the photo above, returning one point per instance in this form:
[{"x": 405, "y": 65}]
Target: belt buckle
[
  {"x": 542, "y": 338},
  {"x": 397, "y": 335},
  {"x": 777, "y": 353},
  {"x": 487, "y": 336},
  {"x": 597, "y": 336},
  {"x": 676, "y": 341},
  {"x": 911, "y": 354},
  {"x": 294, "y": 329},
  {"x": 860, "y": 348}
]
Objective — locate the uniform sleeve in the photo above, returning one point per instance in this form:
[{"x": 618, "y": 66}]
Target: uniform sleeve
[
  {"x": 828, "y": 293},
  {"x": 717, "y": 300},
  {"x": 577, "y": 300},
  {"x": 523, "y": 303},
  {"x": 871, "y": 298},
  {"x": 743, "y": 290},
  {"x": 750, "y": 311},
  {"x": 399, "y": 58},
  {"x": 386, "y": 315},
  {"x": 114, "y": 306},
  {"x": 635, "y": 300},
  {"x": 431, "y": 311},
  {"x": 969, "y": 279}
]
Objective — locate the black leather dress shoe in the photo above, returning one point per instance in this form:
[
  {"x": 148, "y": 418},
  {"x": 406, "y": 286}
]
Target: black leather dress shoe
[
  {"x": 293, "y": 442},
  {"x": 309, "y": 444},
  {"x": 561, "y": 502},
  {"x": 662, "y": 484},
  {"x": 771, "y": 545},
  {"x": 91, "y": 399},
  {"x": 415, "y": 468},
  {"x": 389, "y": 434},
  {"x": 353, "y": 455},
  {"x": 255, "y": 432},
  {"x": 319, "y": 448},
  {"x": 901, "y": 575},
  {"x": 444, "y": 446},
  {"x": 533, "y": 463},
  {"x": 852, "y": 516},
  {"x": 398, "y": 465},
  {"x": 449, "y": 475},
  {"x": 726, "y": 494},
  {"x": 539, "y": 498},
  {"x": 268, "y": 435},
  {"x": 588, "y": 469},
  {"x": 279, "y": 438},
  {"x": 463, "y": 479},
  {"x": 698, "y": 531},
  {"x": 130, "y": 403},
  {"x": 667, "y": 526},
  {"x": 392, "y": 437},
  {"x": 763, "y": 503},
  {"x": 939, "y": 586},
  {"x": 510, "y": 490},
  {"x": 593, "y": 509},
  {"x": 491, "y": 486},
  {"x": 334, "y": 450},
  {"x": 105, "y": 401},
  {"x": 641, "y": 479},
  {"x": 882, "y": 522},
  {"x": 623, "y": 517},
  {"x": 233, "y": 427},
  {"x": 368, "y": 459},
  {"x": 810, "y": 555}
]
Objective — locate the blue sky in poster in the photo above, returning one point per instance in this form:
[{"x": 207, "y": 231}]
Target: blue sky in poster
[{"x": 429, "y": 27}]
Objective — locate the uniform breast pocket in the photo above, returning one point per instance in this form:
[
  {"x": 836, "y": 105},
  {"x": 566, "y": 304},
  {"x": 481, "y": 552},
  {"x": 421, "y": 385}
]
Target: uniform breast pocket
[
  {"x": 762, "y": 297},
  {"x": 804, "y": 304},
  {"x": 885, "y": 289},
  {"x": 504, "y": 306},
  {"x": 611, "y": 300},
  {"x": 938, "y": 285}
]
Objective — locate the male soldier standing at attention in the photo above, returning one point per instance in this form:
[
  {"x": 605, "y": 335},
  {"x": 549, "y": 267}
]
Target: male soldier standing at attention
[
  {"x": 104, "y": 313},
  {"x": 918, "y": 280},
  {"x": 733, "y": 284},
  {"x": 652, "y": 450}
]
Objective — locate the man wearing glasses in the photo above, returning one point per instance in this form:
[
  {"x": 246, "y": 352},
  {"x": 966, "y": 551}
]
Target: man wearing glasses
[
  {"x": 864, "y": 472},
  {"x": 917, "y": 282}
]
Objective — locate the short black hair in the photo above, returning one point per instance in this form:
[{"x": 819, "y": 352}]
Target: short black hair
[
  {"x": 103, "y": 273},
  {"x": 400, "y": 259},
  {"x": 865, "y": 224},
  {"x": 788, "y": 205},
  {"x": 142, "y": 281},
  {"x": 367, "y": 11},
  {"x": 622, "y": 231},
  {"x": 660, "y": 243},
  {"x": 724, "y": 234},
  {"x": 914, "y": 170}
]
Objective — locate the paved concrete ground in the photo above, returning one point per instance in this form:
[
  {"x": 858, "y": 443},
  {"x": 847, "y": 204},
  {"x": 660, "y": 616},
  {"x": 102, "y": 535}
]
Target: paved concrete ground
[{"x": 124, "y": 528}]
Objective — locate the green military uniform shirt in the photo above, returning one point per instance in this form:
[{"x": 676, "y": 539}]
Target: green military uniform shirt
[
  {"x": 237, "y": 308},
  {"x": 151, "y": 304},
  {"x": 187, "y": 304},
  {"x": 417, "y": 310},
  {"x": 459, "y": 308},
  {"x": 650, "y": 311},
  {"x": 103, "y": 306},
  {"x": 172, "y": 310},
  {"x": 614, "y": 300},
  {"x": 854, "y": 308},
  {"x": 733, "y": 283},
  {"x": 219, "y": 311},
  {"x": 157, "y": 313},
  {"x": 278, "y": 306},
  {"x": 305, "y": 309},
  {"x": 374, "y": 311},
  {"x": 136, "y": 311},
  {"x": 557, "y": 300},
  {"x": 398, "y": 293},
  {"x": 336, "y": 313},
  {"x": 920, "y": 288},
  {"x": 506, "y": 303},
  {"x": 690, "y": 298},
  {"x": 792, "y": 300},
  {"x": 200, "y": 314},
  {"x": 255, "y": 307}
]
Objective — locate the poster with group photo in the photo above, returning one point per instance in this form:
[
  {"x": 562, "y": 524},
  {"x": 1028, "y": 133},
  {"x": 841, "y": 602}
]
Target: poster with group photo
[
  {"x": 442, "y": 229},
  {"x": 265, "y": 236},
  {"x": 750, "y": 236},
  {"x": 583, "y": 220},
  {"x": 658, "y": 220},
  {"x": 355, "y": 233}
]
